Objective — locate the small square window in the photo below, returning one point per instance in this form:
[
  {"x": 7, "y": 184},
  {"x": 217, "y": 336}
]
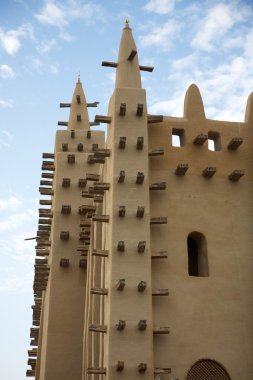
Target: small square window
[
  {"x": 178, "y": 139},
  {"x": 214, "y": 141}
]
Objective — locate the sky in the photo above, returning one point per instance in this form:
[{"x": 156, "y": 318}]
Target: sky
[{"x": 44, "y": 44}]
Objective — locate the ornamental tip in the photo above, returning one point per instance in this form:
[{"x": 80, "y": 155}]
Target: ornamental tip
[
  {"x": 78, "y": 77},
  {"x": 127, "y": 23}
]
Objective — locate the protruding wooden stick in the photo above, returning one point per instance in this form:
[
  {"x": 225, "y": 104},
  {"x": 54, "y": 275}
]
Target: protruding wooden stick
[{"x": 132, "y": 55}]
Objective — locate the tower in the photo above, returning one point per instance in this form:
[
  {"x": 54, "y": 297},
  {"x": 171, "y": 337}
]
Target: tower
[{"x": 149, "y": 245}]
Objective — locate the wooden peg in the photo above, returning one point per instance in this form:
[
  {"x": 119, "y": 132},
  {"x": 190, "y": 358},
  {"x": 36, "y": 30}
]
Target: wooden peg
[
  {"x": 132, "y": 55},
  {"x": 121, "y": 325},
  {"x": 142, "y": 367},
  {"x": 142, "y": 286},
  {"x": 120, "y": 366},
  {"x": 140, "y": 212},
  {"x": 200, "y": 139},
  {"x": 122, "y": 142},
  {"x": 66, "y": 209},
  {"x": 235, "y": 143},
  {"x": 64, "y": 235},
  {"x": 121, "y": 177},
  {"x": 64, "y": 263},
  {"x": 236, "y": 175},
  {"x": 71, "y": 158},
  {"x": 121, "y": 246},
  {"x": 64, "y": 147},
  {"x": 121, "y": 284},
  {"x": 122, "y": 109},
  {"x": 139, "y": 111},
  {"x": 181, "y": 169},
  {"x": 140, "y": 178},
  {"x": 141, "y": 246},
  {"x": 139, "y": 144},
  {"x": 122, "y": 211},
  {"x": 65, "y": 182},
  {"x": 142, "y": 324},
  {"x": 209, "y": 171}
]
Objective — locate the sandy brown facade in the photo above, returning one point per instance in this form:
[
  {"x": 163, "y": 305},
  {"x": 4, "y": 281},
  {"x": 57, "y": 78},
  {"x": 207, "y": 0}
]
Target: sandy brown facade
[{"x": 145, "y": 266}]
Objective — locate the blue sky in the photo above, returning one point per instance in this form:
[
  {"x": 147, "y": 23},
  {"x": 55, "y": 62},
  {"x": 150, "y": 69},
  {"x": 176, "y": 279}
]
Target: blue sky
[{"x": 43, "y": 46}]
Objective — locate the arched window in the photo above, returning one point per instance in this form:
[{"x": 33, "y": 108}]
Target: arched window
[
  {"x": 197, "y": 255},
  {"x": 207, "y": 369}
]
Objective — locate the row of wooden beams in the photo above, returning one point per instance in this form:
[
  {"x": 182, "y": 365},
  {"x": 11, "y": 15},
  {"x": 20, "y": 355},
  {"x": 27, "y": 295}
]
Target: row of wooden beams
[
  {"x": 120, "y": 366},
  {"x": 122, "y": 324},
  {"x": 68, "y": 105},
  {"x": 130, "y": 58}
]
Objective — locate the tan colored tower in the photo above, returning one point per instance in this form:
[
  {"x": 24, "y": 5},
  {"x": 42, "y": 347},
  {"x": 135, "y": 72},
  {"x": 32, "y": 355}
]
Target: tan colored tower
[{"x": 161, "y": 237}]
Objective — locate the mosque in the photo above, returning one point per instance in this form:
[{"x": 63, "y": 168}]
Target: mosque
[{"x": 144, "y": 255}]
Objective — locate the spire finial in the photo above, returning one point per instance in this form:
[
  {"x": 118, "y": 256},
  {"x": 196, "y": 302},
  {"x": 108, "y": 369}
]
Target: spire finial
[
  {"x": 78, "y": 77},
  {"x": 127, "y": 23}
]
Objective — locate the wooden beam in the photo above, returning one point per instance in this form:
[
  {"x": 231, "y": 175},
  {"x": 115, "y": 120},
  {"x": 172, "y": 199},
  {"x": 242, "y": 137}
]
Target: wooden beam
[
  {"x": 121, "y": 177},
  {"x": 159, "y": 255},
  {"x": 160, "y": 292},
  {"x": 48, "y": 155},
  {"x": 132, "y": 55},
  {"x": 63, "y": 123},
  {"x": 98, "y": 328},
  {"x": 156, "y": 152},
  {"x": 181, "y": 169},
  {"x": 235, "y": 143},
  {"x": 100, "y": 253},
  {"x": 96, "y": 371},
  {"x": 122, "y": 142},
  {"x": 159, "y": 220},
  {"x": 139, "y": 143},
  {"x": 109, "y": 64},
  {"x": 141, "y": 246},
  {"x": 158, "y": 186},
  {"x": 209, "y": 172},
  {"x": 65, "y": 105},
  {"x": 200, "y": 139},
  {"x": 103, "y": 119},
  {"x": 142, "y": 286},
  {"x": 146, "y": 68},
  {"x": 155, "y": 119},
  {"x": 99, "y": 291},
  {"x": 236, "y": 175},
  {"x": 122, "y": 109},
  {"x": 94, "y": 104},
  {"x": 162, "y": 371},
  {"x": 161, "y": 330}
]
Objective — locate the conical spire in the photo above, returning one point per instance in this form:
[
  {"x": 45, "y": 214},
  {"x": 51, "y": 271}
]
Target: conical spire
[
  {"x": 128, "y": 72},
  {"x": 78, "y": 117},
  {"x": 249, "y": 109},
  {"x": 193, "y": 104}
]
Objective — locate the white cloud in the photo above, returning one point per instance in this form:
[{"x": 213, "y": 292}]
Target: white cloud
[
  {"x": 52, "y": 14},
  {"x": 6, "y": 103},
  {"x": 16, "y": 283},
  {"x": 10, "y": 40},
  {"x": 42, "y": 67},
  {"x": 17, "y": 220},
  {"x": 46, "y": 46},
  {"x": 11, "y": 203},
  {"x": 60, "y": 15},
  {"x": 218, "y": 21},
  {"x": 172, "y": 107},
  {"x": 6, "y": 139},
  {"x": 157, "y": 35},
  {"x": 160, "y": 6},
  {"x": 6, "y": 72}
]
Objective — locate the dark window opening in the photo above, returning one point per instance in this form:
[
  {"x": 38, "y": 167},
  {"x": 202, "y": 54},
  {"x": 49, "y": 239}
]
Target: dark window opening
[
  {"x": 178, "y": 139},
  {"x": 214, "y": 141},
  {"x": 197, "y": 255}
]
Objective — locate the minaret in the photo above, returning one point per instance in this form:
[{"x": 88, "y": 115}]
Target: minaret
[
  {"x": 126, "y": 323},
  {"x": 67, "y": 225}
]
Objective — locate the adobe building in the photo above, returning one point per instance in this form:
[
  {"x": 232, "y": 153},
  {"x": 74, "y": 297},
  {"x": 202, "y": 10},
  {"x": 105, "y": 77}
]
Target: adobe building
[{"x": 144, "y": 264}]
